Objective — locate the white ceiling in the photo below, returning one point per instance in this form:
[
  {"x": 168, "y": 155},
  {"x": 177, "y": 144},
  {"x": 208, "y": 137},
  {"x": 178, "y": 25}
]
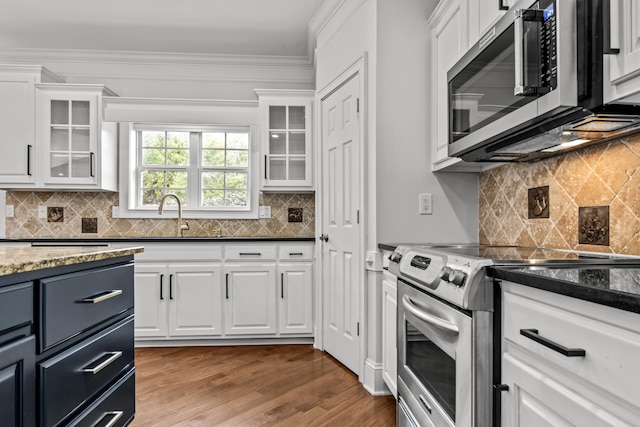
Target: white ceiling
[{"x": 219, "y": 27}]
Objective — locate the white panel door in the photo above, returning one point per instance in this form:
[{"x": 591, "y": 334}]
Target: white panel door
[
  {"x": 250, "y": 299},
  {"x": 341, "y": 269},
  {"x": 195, "y": 298},
  {"x": 150, "y": 300},
  {"x": 295, "y": 310}
]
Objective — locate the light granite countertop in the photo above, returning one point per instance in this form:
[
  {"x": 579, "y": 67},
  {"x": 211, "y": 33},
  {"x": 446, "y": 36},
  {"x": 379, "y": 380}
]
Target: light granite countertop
[{"x": 20, "y": 259}]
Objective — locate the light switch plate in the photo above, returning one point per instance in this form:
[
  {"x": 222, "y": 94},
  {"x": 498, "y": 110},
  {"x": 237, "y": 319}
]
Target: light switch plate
[
  {"x": 265, "y": 212},
  {"x": 9, "y": 211},
  {"x": 42, "y": 212},
  {"x": 425, "y": 204}
]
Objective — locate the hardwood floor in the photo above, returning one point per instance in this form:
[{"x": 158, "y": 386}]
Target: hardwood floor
[{"x": 283, "y": 385}]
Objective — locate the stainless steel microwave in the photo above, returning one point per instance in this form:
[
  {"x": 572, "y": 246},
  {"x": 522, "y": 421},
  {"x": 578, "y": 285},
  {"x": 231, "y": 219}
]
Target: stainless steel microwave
[{"x": 533, "y": 85}]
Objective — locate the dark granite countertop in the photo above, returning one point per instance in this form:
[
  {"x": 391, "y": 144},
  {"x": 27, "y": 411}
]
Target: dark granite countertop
[
  {"x": 83, "y": 241},
  {"x": 613, "y": 286}
]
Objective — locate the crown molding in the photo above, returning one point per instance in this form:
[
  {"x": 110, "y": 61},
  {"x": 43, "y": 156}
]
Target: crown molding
[
  {"x": 327, "y": 11},
  {"x": 152, "y": 58}
]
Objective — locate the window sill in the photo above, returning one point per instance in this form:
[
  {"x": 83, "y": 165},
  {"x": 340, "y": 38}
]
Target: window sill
[{"x": 186, "y": 214}]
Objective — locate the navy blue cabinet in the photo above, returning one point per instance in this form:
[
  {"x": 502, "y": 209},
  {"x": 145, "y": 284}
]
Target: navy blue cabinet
[{"x": 67, "y": 346}]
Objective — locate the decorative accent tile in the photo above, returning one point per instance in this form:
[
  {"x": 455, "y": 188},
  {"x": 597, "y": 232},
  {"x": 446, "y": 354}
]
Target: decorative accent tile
[
  {"x": 90, "y": 225},
  {"x": 55, "y": 214},
  {"x": 607, "y": 174},
  {"x": 538, "y": 202},
  {"x": 295, "y": 215}
]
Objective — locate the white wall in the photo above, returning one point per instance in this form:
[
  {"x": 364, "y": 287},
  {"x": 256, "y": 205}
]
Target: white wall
[{"x": 403, "y": 147}]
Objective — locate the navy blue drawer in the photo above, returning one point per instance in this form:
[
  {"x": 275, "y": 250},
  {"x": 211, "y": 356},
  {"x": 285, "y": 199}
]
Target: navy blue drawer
[
  {"x": 115, "y": 408},
  {"x": 73, "y": 377},
  {"x": 18, "y": 383},
  {"x": 75, "y": 302},
  {"x": 16, "y": 307}
]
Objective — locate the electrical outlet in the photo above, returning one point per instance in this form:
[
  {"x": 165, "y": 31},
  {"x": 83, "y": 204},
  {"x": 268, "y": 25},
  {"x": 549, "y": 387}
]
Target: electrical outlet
[
  {"x": 265, "y": 212},
  {"x": 9, "y": 211},
  {"x": 425, "y": 202},
  {"x": 42, "y": 212}
]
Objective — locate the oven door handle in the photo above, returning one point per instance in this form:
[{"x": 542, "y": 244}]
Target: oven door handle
[{"x": 426, "y": 317}]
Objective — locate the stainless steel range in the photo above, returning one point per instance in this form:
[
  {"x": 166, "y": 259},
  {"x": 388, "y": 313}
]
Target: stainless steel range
[{"x": 445, "y": 327}]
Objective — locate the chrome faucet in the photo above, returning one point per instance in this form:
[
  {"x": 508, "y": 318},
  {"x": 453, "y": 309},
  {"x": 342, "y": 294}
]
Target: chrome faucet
[{"x": 181, "y": 226}]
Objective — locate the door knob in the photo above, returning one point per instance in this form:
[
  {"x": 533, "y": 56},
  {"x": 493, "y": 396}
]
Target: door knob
[{"x": 324, "y": 237}]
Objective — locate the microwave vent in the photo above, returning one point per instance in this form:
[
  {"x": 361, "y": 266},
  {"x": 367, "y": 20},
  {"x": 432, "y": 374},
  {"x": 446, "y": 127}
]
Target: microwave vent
[{"x": 604, "y": 123}]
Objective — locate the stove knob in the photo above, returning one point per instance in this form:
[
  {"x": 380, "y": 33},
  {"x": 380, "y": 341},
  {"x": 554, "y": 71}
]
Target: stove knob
[
  {"x": 457, "y": 278},
  {"x": 445, "y": 273}
]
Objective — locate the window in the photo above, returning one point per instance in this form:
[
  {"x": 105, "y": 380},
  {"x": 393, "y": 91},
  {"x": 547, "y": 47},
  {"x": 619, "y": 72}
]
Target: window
[{"x": 209, "y": 168}]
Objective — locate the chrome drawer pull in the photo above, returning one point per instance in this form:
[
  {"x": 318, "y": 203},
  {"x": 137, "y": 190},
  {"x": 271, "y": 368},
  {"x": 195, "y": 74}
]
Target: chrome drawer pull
[
  {"x": 114, "y": 355},
  {"x": 426, "y": 317},
  {"x": 115, "y": 416},
  {"x": 103, "y": 297},
  {"x": 295, "y": 254},
  {"x": 532, "y": 334},
  {"x": 250, "y": 254},
  {"x": 425, "y": 403}
]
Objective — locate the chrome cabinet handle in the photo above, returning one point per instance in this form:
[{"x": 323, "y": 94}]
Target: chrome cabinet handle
[
  {"x": 610, "y": 42},
  {"x": 103, "y": 297},
  {"x": 443, "y": 324},
  {"x": 161, "y": 286},
  {"x": 532, "y": 334},
  {"x": 497, "y": 402},
  {"x": 94, "y": 370},
  {"x": 171, "y": 286},
  {"x": 265, "y": 166},
  {"x": 115, "y": 416},
  {"x": 295, "y": 254},
  {"x": 425, "y": 403},
  {"x": 92, "y": 159},
  {"x": 250, "y": 253},
  {"x": 281, "y": 285},
  {"x": 226, "y": 286}
]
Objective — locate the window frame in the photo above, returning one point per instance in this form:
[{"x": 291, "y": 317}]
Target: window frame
[{"x": 130, "y": 185}]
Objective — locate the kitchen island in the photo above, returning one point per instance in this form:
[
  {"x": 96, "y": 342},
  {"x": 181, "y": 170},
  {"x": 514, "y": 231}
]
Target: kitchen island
[{"x": 66, "y": 335}]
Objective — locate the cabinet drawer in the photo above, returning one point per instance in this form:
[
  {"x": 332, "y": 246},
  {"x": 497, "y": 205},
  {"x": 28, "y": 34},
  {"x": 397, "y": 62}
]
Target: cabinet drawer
[
  {"x": 250, "y": 253},
  {"x": 16, "y": 306},
  {"x": 295, "y": 253},
  {"x": 115, "y": 408},
  {"x": 611, "y": 349},
  {"x": 74, "y": 376},
  {"x": 75, "y": 302}
]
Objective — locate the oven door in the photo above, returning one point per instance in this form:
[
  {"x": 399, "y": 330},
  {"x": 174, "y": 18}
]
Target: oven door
[
  {"x": 520, "y": 72},
  {"x": 435, "y": 366}
]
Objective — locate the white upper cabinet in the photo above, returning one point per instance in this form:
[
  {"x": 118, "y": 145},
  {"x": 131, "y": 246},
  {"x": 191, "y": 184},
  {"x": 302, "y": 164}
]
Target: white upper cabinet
[
  {"x": 286, "y": 139},
  {"x": 17, "y": 122},
  {"x": 624, "y": 67},
  {"x": 79, "y": 149},
  {"x": 483, "y": 14}
]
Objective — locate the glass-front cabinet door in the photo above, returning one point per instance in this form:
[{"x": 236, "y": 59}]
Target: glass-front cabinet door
[
  {"x": 286, "y": 140},
  {"x": 75, "y": 141}
]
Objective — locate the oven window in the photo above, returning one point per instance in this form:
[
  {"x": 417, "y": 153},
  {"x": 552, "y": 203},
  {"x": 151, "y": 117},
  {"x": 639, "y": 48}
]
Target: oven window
[{"x": 433, "y": 368}]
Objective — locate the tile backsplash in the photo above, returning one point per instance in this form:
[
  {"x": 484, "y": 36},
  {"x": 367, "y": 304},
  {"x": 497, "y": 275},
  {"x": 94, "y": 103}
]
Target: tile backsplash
[
  {"x": 83, "y": 212},
  {"x": 601, "y": 176}
]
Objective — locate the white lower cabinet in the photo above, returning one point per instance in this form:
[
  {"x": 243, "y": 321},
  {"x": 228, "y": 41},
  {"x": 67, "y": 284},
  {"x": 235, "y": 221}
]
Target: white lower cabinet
[
  {"x": 178, "y": 300},
  {"x": 295, "y": 311},
  {"x": 187, "y": 291},
  {"x": 390, "y": 331},
  {"x": 250, "y": 299},
  {"x": 548, "y": 388}
]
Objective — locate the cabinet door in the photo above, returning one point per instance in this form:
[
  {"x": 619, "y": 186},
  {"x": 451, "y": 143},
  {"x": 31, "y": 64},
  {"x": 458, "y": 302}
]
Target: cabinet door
[
  {"x": 537, "y": 399},
  {"x": 68, "y": 128},
  {"x": 625, "y": 65},
  {"x": 286, "y": 142},
  {"x": 483, "y": 14},
  {"x": 295, "y": 309},
  {"x": 449, "y": 41},
  {"x": 17, "y": 383},
  {"x": 151, "y": 298},
  {"x": 195, "y": 304},
  {"x": 250, "y": 299},
  {"x": 17, "y": 122},
  {"x": 390, "y": 332}
]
